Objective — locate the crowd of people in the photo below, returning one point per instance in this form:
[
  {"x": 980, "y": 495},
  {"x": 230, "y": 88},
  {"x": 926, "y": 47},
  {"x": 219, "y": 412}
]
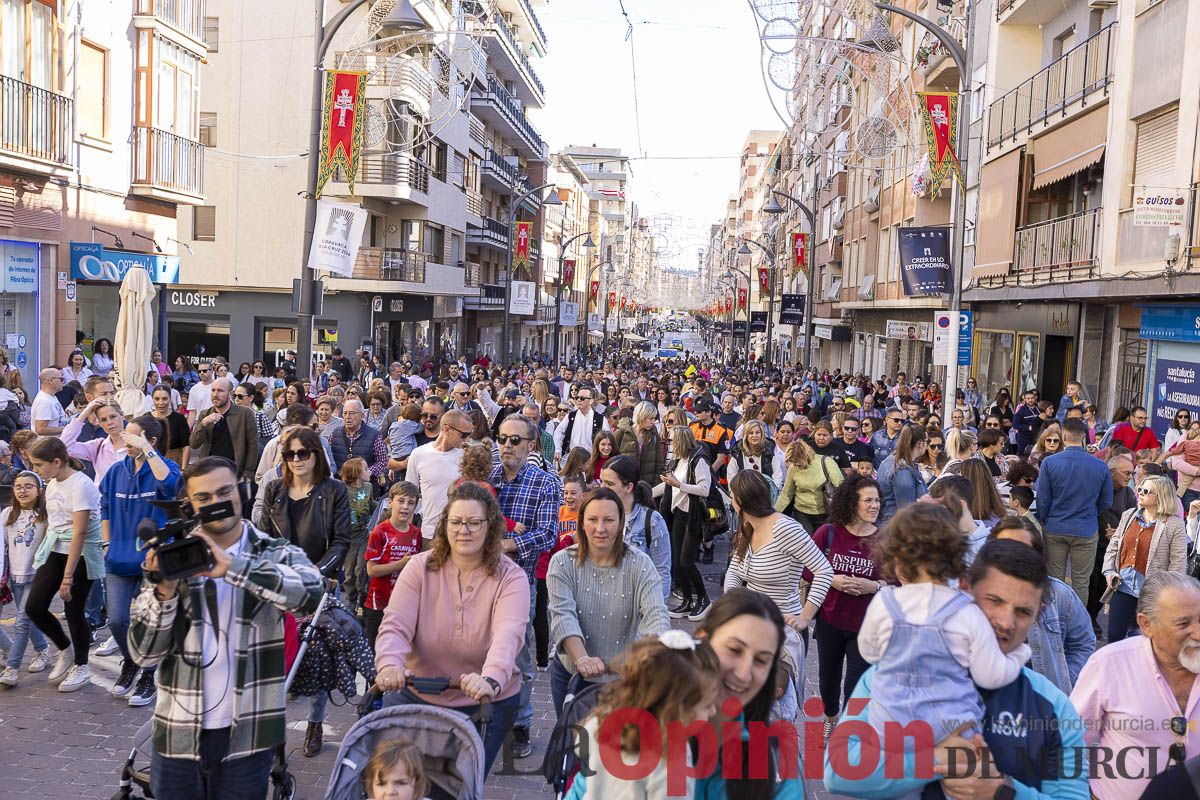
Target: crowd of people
[{"x": 1018, "y": 578}]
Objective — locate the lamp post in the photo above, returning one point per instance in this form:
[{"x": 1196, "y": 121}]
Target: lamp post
[
  {"x": 562, "y": 252},
  {"x": 773, "y": 207},
  {"x": 402, "y": 19},
  {"x": 962, "y": 60},
  {"x": 550, "y": 200},
  {"x": 744, "y": 250},
  {"x": 729, "y": 273},
  {"x": 619, "y": 285},
  {"x": 722, "y": 284}
]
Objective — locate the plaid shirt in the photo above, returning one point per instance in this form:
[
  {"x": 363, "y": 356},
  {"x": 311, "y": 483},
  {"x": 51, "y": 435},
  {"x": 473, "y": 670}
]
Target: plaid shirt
[
  {"x": 266, "y": 428},
  {"x": 274, "y": 577},
  {"x": 532, "y": 499}
]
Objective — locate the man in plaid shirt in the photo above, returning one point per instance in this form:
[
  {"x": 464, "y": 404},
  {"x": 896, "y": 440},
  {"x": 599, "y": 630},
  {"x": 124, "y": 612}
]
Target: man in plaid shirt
[{"x": 217, "y": 640}]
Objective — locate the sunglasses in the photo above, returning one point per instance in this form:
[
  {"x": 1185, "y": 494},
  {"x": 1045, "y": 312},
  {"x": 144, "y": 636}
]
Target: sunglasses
[
  {"x": 1052, "y": 440},
  {"x": 849, "y": 429},
  {"x": 240, "y": 395},
  {"x": 303, "y": 454},
  {"x": 205, "y": 371},
  {"x": 1142, "y": 492},
  {"x": 460, "y": 432},
  {"x": 433, "y": 417},
  {"x": 515, "y": 441}
]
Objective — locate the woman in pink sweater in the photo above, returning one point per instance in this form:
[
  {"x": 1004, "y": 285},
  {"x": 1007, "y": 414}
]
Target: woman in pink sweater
[{"x": 459, "y": 610}]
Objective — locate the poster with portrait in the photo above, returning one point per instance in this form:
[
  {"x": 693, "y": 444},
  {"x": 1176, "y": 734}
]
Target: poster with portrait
[{"x": 336, "y": 237}]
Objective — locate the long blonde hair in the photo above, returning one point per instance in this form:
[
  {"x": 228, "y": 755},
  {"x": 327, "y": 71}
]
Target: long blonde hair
[{"x": 800, "y": 454}]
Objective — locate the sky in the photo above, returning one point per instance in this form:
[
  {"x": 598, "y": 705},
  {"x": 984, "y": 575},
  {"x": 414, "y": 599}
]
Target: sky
[{"x": 699, "y": 91}]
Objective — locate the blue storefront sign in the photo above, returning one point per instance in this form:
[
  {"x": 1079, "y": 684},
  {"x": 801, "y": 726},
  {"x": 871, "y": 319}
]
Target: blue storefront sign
[
  {"x": 93, "y": 262},
  {"x": 1173, "y": 333},
  {"x": 1174, "y": 387},
  {"x": 1171, "y": 323}
]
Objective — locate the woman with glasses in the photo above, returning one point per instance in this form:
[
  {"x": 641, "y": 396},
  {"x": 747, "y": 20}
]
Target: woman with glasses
[
  {"x": 461, "y": 590},
  {"x": 377, "y": 408},
  {"x": 1148, "y": 539},
  {"x": 972, "y": 397},
  {"x": 934, "y": 461},
  {"x": 310, "y": 509},
  {"x": 247, "y": 396},
  {"x": 900, "y": 481},
  {"x": 1048, "y": 443},
  {"x": 1002, "y": 409}
]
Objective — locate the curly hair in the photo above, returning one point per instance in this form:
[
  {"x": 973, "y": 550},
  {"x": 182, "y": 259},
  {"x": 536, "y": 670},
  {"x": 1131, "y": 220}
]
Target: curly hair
[
  {"x": 476, "y": 462},
  {"x": 922, "y": 537},
  {"x": 439, "y": 548},
  {"x": 844, "y": 507}
]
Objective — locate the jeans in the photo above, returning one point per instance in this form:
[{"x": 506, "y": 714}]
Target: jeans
[
  {"x": 525, "y": 666},
  {"x": 835, "y": 646},
  {"x": 541, "y": 623},
  {"x": 1082, "y": 552},
  {"x": 241, "y": 779},
  {"x": 45, "y": 587},
  {"x": 563, "y": 683},
  {"x": 1122, "y": 611},
  {"x": 686, "y": 535},
  {"x": 23, "y": 632},
  {"x": 121, "y": 592},
  {"x": 493, "y": 738},
  {"x": 316, "y": 708},
  {"x": 95, "y": 602}
]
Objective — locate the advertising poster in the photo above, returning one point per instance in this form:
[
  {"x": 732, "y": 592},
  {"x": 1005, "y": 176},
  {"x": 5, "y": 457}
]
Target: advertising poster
[{"x": 925, "y": 260}]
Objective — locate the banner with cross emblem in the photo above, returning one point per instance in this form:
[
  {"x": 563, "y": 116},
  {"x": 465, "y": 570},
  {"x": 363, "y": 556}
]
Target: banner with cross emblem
[{"x": 342, "y": 126}]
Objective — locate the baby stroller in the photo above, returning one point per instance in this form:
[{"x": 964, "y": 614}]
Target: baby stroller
[
  {"x": 561, "y": 761},
  {"x": 451, "y": 747},
  {"x": 283, "y": 783}
]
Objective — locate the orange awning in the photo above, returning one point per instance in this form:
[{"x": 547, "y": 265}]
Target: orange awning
[
  {"x": 1072, "y": 148},
  {"x": 996, "y": 220}
]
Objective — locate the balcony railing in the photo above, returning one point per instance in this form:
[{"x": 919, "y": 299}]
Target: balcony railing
[
  {"x": 34, "y": 122},
  {"x": 477, "y": 130},
  {"x": 491, "y": 296},
  {"x": 183, "y": 15},
  {"x": 390, "y": 264},
  {"x": 492, "y": 233},
  {"x": 1083, "y": 69},
  {"x": 537, "y": 25},
  {"x": 165, "y": 160},
  {"x": 389, "y": 169},
  {"x": 1004, "y": 5},
  {"x": 509, "y": 173},
  {"x": 514, "y": 112},
  {"x": 1070, "y": 241},
  {"x": 511, "y": 38}
]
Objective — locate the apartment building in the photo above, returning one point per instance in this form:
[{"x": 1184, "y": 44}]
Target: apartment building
[
  {"x": 98, "y": 150},
  {"x": 753, "y": 192}
]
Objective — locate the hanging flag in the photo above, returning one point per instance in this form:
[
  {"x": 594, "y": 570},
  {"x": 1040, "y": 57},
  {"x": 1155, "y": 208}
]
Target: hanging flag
[
  {"x": 799, "y": 253},
  {"x": 925, "y": 260},
  {"x": 521, "y": 251},
  {"x": 741, "y": 299},
  {"x": 569, "y": 272},
  {"x": 764, "y": 279},
  {"x": 729, "y": 304},
  {"x": 342, "y": 126},
  {"x": 595, "y": 290},
  {"x": 622, "y": 302},
  {"x": 619, "y": 193},
  {"x": 612, "y": 300},
  {"x": 939, "y": 110}
]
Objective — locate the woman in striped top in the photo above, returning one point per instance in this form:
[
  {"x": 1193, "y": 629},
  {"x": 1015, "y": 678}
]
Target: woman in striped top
[{"x": 770, "y": 553}]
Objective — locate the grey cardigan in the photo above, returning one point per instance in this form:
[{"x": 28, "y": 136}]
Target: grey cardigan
[{"x": 1168, "y": 547}]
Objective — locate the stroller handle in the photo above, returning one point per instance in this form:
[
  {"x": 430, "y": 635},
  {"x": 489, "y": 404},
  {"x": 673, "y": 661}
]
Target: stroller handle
[{"x": 425, "y": 686}]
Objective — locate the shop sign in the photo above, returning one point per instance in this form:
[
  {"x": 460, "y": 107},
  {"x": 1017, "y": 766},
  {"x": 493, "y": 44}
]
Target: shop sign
[
  {"x": 92, "y": 262},
  {"x": 941, "y": 338},
  {"x": 904, "y": 329},
  {"x": 396, "y": 306},
  {"x": 1175, "y": 387},
  {"x": 1171, "y": 323},
  {"x": 823, "y": 332},
  {"x": 1159, "y": 208},
  {"x": 184, "y": 299},
  {"x": 20, "y": 267},
  {"x": 523, "y": 297}
]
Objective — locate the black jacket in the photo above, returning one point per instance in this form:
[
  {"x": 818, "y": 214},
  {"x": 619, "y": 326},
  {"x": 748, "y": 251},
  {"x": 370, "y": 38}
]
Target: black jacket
[{"x": 324, "y": 534}]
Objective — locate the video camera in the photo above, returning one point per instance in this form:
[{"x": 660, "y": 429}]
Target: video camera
[{"x": 181, "y": 555}]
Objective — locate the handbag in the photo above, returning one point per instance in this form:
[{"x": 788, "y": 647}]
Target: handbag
[{"x": 827, "y": 488}]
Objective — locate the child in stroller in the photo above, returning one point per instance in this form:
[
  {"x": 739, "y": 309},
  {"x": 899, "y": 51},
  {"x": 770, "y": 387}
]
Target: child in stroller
[{"x": 395, "y": 772}]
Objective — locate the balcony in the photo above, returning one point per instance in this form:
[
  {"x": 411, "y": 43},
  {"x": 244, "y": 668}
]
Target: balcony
[
  {"x": 477, "y": 130},
  {"x": 933, "y": 59},
  {"x": 491, "y": 298},
  {"x": 499, "y": 107},
  {"x": 35, "y": 126},
  {"x": 1055, "y": 251},
  {"x": 184, "y": 17},
  {"x": 492, "y": 233},
  {"x": 1065, "y": 86},
  {"x": 499, "y": 173},
  {"x": 505, "y": 50},
  {"x": 167, "y": 166},
  {"x": 390, "y": 78},
  {"x": 392, "y": 176},
  {"x": 474, "y": 202},
  {"x": 389, "y": 264},
  {"x": 471, "y": 273}
]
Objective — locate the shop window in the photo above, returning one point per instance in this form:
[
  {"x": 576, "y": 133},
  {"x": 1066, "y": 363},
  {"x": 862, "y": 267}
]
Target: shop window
[
  {"x": 93, "y": 91},
  {"x": 204, "y": 223}
]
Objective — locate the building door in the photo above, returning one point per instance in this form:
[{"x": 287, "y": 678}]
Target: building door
[
  {"x": 1056, "y": 367},
  {"x": 1132, "y": 379},
  {"x": 198, "y": 340}
]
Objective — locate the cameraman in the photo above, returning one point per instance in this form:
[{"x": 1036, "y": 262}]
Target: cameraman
[{"x": 220, "y": 642}]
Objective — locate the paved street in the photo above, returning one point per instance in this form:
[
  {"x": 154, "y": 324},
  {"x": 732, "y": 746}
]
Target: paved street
[{"x": 58, "y": 745}]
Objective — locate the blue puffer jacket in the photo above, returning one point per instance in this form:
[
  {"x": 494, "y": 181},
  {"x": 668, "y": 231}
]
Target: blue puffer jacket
[{"x": 124, "y": 502}]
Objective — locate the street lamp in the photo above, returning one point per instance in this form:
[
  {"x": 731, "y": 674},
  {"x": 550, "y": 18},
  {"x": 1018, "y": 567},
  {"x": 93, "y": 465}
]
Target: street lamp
[
  {"x": 562, "y": 252},
  {"x": 744, "y": 250},
  {"x": 723, "y": 285},
  {"x": 402, "y": 19},
  {"x": 592, "y": 271},
  {"x": 730, "y": 271},
  {"x": 962, "y": 58},
  {"x": 551, "y": 199},
  {"x": 621, "y": 284},
  {"x": 773, "y": 207}
]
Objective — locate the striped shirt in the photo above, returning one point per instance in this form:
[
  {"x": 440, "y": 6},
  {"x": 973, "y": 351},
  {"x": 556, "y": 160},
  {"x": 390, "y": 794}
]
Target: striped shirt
[{"x": 778, "y": 567}]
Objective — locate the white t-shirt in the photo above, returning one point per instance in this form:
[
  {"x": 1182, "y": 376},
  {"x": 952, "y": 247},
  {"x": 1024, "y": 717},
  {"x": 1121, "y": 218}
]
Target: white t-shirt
[
  {"x": 63, "y": 499},
  {"x": 200, "y": 397},
  {"x": 46, "y": 407},
  {"x": 433, "y": 472},
  {"x": 219, "y": 655}
]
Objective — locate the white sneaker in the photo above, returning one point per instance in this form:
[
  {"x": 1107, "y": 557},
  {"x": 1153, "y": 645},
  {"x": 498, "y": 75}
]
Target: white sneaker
[
  {"x": 108, "y": 648},
  {"x": 78, "y": 677},
  {"x": 40, "y": 662},
  {"x": 64, "y": 662},
  {"x": 10, "y": 676}
]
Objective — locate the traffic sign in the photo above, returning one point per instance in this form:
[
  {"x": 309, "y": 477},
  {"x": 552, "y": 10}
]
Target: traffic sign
[{"x": 941, "y": 338}]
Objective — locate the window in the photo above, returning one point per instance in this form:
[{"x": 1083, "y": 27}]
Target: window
[
  {"x": 212, "y": 33},
  {"x": 437, "y": 158},
  {"x": 167, "y": 86},
  {"x": 93, "y": 91},
  {"x": 1154, "y": 158},
  {"x": 208, "y": 128},
  {"x": 28, "y": 45},
  {"x": 204, "y": 223},
  {"x": 435, "y": 241}
]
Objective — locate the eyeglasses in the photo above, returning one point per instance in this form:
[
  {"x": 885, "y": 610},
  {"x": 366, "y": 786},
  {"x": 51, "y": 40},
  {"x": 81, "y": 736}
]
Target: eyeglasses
[
  {"x": 472, "y": 525},
  {"x": 459, "y": 431},
  {"x": 514, "y": 440},
  {"x": 241, "y": 395},
  {"x": 1184, "y": 415},
  {"x": 303, "y": 454},
  {"x": 1052, "y": 440},
  {"x": 431, "y": 417},
  {"x": 1178, "y": 751},
  {"x": 205, "y": 371},
  {"x": 937, "y": 447}
]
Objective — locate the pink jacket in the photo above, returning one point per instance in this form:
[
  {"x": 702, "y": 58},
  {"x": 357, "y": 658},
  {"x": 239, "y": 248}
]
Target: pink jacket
[{"x": 433, "y": 630}]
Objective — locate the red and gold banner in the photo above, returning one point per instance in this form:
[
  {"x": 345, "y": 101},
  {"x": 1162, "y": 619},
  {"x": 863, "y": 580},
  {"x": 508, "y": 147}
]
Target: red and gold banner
[
  {"x": 623, "y": 302},
  {"x": 741, "y": 299},
  {"x": 729, "y": 304},
  {"x": 595, "y": 291},
  {"x": 569, "y": 272},
  {"x": 764, "y": 279},
  {"x": 612, "y": 300},
  {"x": 342, "y": 126},
  {"x": 521, "y": 247},
  {"x": 939, "y": 110},
  {"x": 799, "y": 253}
]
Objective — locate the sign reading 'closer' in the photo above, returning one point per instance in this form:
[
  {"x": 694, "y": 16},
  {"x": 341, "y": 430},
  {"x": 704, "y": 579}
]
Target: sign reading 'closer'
[{"x": 194, "y": 299}]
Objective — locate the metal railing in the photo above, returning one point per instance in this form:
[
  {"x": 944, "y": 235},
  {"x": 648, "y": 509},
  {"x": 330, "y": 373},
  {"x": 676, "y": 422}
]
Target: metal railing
[
  {"x": 1004, "y": 5},
  {"x": 511, "y": 38},
  {"x": 389, "y": 169},
  {"x": 498, "y": 164},
  {"x": 514, "y": 111},
  {"x": 537, "y": 25},
  {"x": 409, "y": 75},
  {"x": 168, "y": 161},
  {"x": 490, "y": 296},
  {"x": 1083, "y": 69},
  {"x": 1070, "y": 241},
  {"x": 477, "y": 130},
  {"x": 390, "y": 264},
  {"x": 34, "y": 121},
  {"x": 184, "y": 15}
]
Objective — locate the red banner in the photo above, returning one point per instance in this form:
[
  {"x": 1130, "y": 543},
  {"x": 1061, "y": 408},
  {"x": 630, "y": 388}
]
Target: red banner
[
  {"x": 612, "y": 300},
  {"x": 741, "y": 299},
  {"x": 799, "y": 253},
  {"x": 342, "y": 124},
  {"x": 764, "y": 279},
  {"x": 729, "y": 304},
  {"x": 521, "y": 249},
  {"x": 569, "y": 272},
  {"x": 939, "y": 111},
  {"x": 623, "y": 301},
  {"x": 594, "y": 292}
]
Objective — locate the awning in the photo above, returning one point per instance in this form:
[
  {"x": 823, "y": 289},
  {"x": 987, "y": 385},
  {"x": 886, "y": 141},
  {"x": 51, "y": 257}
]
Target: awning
[
  {"x": 633, "y": 337},
  {"x": 596, "y": 334},
  {"x": 1072, "y": 148},
  {"x": 1000, "y": 187}
]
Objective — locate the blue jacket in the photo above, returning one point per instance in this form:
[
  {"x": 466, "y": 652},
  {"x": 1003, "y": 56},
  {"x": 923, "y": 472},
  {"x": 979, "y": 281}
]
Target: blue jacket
[
  {"x": 1026, "y": 725},
  {"x": 883, "y": 445},
  {"x": 898, "y": 487},
  {"x": 1062, "y": 639},
  {"x": 1073, "y": 489},
  {"x": 124, "y": 502},
  {"x": 1025, "y": 423},
  {"x": 1065, "y": 403}
]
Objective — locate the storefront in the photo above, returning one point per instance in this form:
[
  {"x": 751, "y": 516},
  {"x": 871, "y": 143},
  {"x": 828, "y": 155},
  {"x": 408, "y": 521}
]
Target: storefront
[
  {"x": 1173, "y": 368},
  {"x": 405, "y": 325},
  {"x": 889, "y": 341},
  {"x": 1023, "y": 346},
  {"x": 20, "y": 312}
]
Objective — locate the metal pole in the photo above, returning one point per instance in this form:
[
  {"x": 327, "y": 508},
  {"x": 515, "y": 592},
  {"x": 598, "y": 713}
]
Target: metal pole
[
  {"x": 323, "y": 37},
  {"x": 558, "y": 306},
  {"x": 512, "y": 221},
  {"x": 770, "y": 312}
]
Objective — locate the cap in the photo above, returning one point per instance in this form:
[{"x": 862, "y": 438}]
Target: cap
[
  {"x": 512, "y": 394},
  {"x": 703, "y": 404}
]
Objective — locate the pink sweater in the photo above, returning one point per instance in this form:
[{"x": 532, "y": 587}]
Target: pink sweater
[{"x": 435, "y": 631}]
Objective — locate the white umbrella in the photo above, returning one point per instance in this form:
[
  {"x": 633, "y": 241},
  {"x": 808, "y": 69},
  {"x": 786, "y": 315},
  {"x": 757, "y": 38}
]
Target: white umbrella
[{"x": 134, "y": 340}]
